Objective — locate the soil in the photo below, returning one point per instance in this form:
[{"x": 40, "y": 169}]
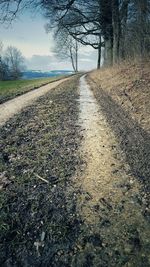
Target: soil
[
  {"x": 71, "y": 194},
  {"x": 39, "y": 225}
]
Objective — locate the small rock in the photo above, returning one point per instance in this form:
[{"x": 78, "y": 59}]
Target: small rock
[
  {"x": 144, "y": 200},
  {"x": 42, "y": 236},
  {"x": 4, "y": 181}
]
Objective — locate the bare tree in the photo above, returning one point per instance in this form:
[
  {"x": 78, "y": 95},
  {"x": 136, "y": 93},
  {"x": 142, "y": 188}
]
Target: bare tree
[
  {"x": 135, "y": 29},
  {"x": 14, "y": 61},
  {"x": 142, "y": 24},
  {"x": 81, "y": 22},
  {"x": 66, "y": 47},
  {"x": 1, "y": 48},
  {"x": 3, "y": 66},
  {"x": 122, "y": 27},
  {"x": 1, "y": 62}
]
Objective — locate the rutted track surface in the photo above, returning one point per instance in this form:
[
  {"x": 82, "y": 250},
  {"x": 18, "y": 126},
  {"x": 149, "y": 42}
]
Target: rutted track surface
[{"x": 88, "y": 211}]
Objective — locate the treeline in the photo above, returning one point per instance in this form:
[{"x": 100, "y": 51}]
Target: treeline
[
  {"x": 11, "y": 63},
  {"x": 120, "y": 29}
]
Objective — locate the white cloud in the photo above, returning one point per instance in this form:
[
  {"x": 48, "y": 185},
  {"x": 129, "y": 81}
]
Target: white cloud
[
  {"x": 86, "y": 50},
  {"x": 28, "y": 49},
  {"x": 46, "y": 62},
  {"x": 86, "y": 60}
]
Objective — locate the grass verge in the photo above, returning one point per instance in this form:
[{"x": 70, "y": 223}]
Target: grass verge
[
  {"x": 124, "y": 95},
  {"x": 11, "y": 89}
]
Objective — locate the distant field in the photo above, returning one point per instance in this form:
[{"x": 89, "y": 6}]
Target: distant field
[{"x": 10, "y": 89}]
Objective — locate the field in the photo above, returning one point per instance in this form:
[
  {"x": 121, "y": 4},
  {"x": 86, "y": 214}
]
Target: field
[{"x": 11, "y": 89}]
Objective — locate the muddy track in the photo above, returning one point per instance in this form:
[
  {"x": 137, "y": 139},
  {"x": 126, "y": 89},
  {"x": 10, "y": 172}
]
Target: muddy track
[
  {"x": 12, "y": 107},
  {"x": 69, "y": 196}
]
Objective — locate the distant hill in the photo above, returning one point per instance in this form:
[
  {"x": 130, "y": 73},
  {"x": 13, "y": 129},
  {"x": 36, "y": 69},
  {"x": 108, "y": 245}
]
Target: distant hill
[{"x": 35, "y": 74}]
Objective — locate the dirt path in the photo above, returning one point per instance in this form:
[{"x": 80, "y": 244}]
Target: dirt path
[
  {"x": 108, "y": 204},
  {"x": 89, "y": 212},
  {"x": 12, "y": 107},
  {"x": 100, "y": 149}
]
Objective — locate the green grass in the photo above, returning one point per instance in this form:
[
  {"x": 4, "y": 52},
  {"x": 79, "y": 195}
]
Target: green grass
[{"x": 11, "y": 89}]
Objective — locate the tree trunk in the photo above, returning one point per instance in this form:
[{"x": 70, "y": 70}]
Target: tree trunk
[
  {"x": 76, "y": 56},
  {"x": 116, "y": 30},
  {"x": 72, "y": 60},
  {"x": 142, "y": 14},
  {"x": 108, "y": 53},
  {"x": 99, "y": 53},
  {"x": 123, "y": 18}
]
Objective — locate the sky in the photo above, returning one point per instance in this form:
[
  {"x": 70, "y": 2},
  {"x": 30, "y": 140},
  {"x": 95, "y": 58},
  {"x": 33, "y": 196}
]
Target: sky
[{"x": 28, "y": 34}]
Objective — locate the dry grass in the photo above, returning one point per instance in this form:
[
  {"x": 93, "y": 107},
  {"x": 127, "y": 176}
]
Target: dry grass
[
  {"x": 123, "y": 93},
  {"x": 129, "y": 85}
]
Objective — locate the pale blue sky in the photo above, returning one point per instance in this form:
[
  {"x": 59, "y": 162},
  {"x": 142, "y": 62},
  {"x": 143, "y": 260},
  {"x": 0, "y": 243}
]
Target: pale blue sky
[{"x": 29, "y": 36}]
